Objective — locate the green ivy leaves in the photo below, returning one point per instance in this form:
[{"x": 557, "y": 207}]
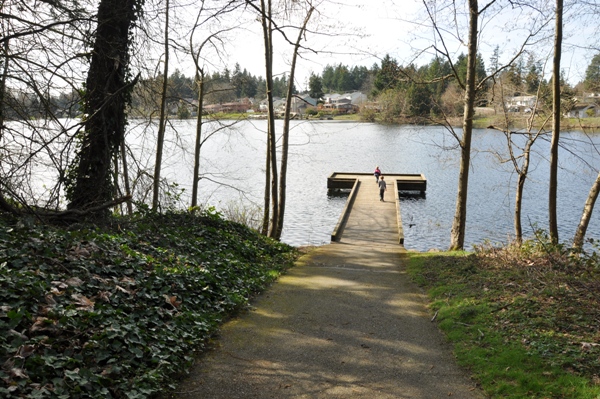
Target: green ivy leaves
[{"x": 117, "y": 312}]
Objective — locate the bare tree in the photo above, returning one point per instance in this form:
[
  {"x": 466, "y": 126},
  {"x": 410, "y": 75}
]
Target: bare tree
[
  {"x": 42, "y": 51},
  {"x": 471, "y": 85},
  {"x": 553, "y": 186},
  {"x": 586, "y": 214},
  {"x": 215, "y": 41},
  {"x": 162, "y": 122},
  {"x": 272, "y": 218},
  {"x": 286, "y": 127},
  {"x": 266, "y": 10},
  {"x": 520, "y": 161}
]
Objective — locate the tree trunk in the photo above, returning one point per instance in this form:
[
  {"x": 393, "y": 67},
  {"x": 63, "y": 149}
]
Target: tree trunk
[
  {"x": 104, "y": 104},
  {"x": 519, "y": 195},
  {"x": 457, "y": 235},
  {"x": 198, "y": 147},
  {"x": 272, "y": 144},
  {"x": 267, "y": 199},
  {"x": 4, "y": 65},
  {"x": 286, "y": 130},
  {"x": 162, "y": 123},
  {"x": 553, "y": 186},
  {"x": 586, "y": 215},
  {"x": 126, "y": 178}
]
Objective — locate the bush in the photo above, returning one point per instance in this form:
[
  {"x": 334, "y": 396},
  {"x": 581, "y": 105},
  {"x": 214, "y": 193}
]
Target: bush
[{"x": 311, "y": 111}]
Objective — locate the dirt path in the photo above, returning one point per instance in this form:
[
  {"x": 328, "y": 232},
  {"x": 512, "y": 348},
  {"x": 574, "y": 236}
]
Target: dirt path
[{"x": 345, "y": 323}]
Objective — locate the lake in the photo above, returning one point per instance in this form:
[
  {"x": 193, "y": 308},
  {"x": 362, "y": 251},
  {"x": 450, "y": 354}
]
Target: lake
[{"x": 233, "y": 166}]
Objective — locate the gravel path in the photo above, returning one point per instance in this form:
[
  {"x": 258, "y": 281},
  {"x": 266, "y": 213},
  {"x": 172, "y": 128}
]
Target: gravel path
[{"x": 346, "y": 322}]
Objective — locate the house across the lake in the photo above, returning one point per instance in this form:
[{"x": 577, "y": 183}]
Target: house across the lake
[
  {"x": 344, "y": 103},
  {"x": 520, "y": 103},
  {"x": 583, "y": 111}
]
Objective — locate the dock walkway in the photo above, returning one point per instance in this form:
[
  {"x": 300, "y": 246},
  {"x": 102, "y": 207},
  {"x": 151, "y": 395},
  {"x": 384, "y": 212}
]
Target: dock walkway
[{"x": 365, "y": 219}]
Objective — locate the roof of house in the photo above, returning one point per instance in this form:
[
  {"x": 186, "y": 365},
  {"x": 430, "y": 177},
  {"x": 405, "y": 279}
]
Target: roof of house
[
  {"x": 352, "y": 96},
  {"x": 307, "y": 99},
  {"x": 582, "y": 107}
]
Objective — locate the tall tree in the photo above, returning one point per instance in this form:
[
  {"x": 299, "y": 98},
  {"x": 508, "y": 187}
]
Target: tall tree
[
  {"x": 533, "y": 78},
  {"x": 271, "y": 199},
  {"x": 212, "y": 39},
  {"x": 387, "y": 75},
  {"x": 107, "y": 92},
  {"x": 470, "y": 86},
  {"x": 162, "y": 121},
  {"x": 553, "y": 186},
  {"x": 286, "y": 129},
  {"x": 315, "y": 86},
  {"x": 457, "y": 236}
]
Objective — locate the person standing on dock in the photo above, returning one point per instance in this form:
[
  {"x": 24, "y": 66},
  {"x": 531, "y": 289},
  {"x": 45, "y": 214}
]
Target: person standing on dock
[
  {"x": 377, "y": 174},
  {"x": 382, "y": 188}
]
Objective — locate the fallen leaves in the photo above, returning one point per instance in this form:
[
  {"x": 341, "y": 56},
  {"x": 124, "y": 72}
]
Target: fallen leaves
[
  {"x": 83, "y": 302},
  {"x": 172, "y": 300}
]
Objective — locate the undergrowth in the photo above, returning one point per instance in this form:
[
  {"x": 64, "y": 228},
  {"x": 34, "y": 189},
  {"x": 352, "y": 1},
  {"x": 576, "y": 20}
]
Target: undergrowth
[
  {"x": 525, "y": 320},
  {"x": 117, "y": 311}
]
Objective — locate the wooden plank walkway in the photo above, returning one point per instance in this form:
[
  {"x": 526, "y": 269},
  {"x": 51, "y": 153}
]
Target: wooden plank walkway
[{"x": 365, "y": 219}]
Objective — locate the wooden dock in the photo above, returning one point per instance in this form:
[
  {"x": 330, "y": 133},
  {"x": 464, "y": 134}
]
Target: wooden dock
[{"x": 365, "y": 220}]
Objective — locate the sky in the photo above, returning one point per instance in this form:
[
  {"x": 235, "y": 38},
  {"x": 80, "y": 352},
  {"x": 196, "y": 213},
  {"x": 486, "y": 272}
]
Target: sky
[
  {"x": 356, "y": 33},
  {"x": 360, "y": 35}
]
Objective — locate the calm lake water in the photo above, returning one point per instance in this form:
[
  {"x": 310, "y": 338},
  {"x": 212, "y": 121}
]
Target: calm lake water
[{"x": 233, "y": 169}]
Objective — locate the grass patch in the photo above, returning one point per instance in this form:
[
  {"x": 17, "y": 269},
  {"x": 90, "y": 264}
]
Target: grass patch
[
  {"x": 526, "y": 323},
  {"x": 117, "y": 311}
]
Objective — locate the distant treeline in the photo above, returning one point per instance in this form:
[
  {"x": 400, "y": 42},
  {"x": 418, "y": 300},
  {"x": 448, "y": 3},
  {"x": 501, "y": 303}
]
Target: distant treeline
[{"x": 398, "y": 91}]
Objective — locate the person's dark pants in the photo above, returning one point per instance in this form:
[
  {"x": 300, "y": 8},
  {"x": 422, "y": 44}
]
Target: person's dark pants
[{"x": 381, "y": 191}]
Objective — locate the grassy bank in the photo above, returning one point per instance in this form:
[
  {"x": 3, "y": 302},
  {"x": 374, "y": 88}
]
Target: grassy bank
[
  {"x": 518, "y": 121},
  {"x": 525, "y": 322},
  {"x": 117, "y": 311}
]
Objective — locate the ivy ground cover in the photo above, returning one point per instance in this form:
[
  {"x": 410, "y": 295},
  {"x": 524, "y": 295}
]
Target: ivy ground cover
[{"x": 117, "y": 311}]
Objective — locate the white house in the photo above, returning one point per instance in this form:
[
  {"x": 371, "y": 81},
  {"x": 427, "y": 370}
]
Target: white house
[
  {"x": 520, "y": 103},
  {"x": 347, "y": 102}
]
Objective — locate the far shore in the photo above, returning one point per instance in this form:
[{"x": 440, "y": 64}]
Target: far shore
[{"x": 483, "y": 120}]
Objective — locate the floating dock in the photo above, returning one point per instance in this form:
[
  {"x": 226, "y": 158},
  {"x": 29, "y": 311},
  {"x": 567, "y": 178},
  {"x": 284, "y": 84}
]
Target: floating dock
[{"x": 365, "y": 219}]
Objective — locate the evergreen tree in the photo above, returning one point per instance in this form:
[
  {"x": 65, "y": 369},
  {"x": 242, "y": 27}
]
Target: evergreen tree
[
  {"x": 495, "y": 60},
  {"x": 592, "y": 75},
  {"x": 315, "y": 86},
  {"x": 328, "y": 79},
  {"x": 418, "y": 99},
  {"x": 515, "y": 76},
  {"x": 534, "y": 75},
  {"x": 359, "y": 76},
  {"x": 461, "y": 68},
  {"x": 387, "y": 76}
]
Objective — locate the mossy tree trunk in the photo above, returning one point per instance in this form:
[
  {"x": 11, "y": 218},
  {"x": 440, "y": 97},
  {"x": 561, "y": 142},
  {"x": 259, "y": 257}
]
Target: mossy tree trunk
[{"x": 106, "y": 95}]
